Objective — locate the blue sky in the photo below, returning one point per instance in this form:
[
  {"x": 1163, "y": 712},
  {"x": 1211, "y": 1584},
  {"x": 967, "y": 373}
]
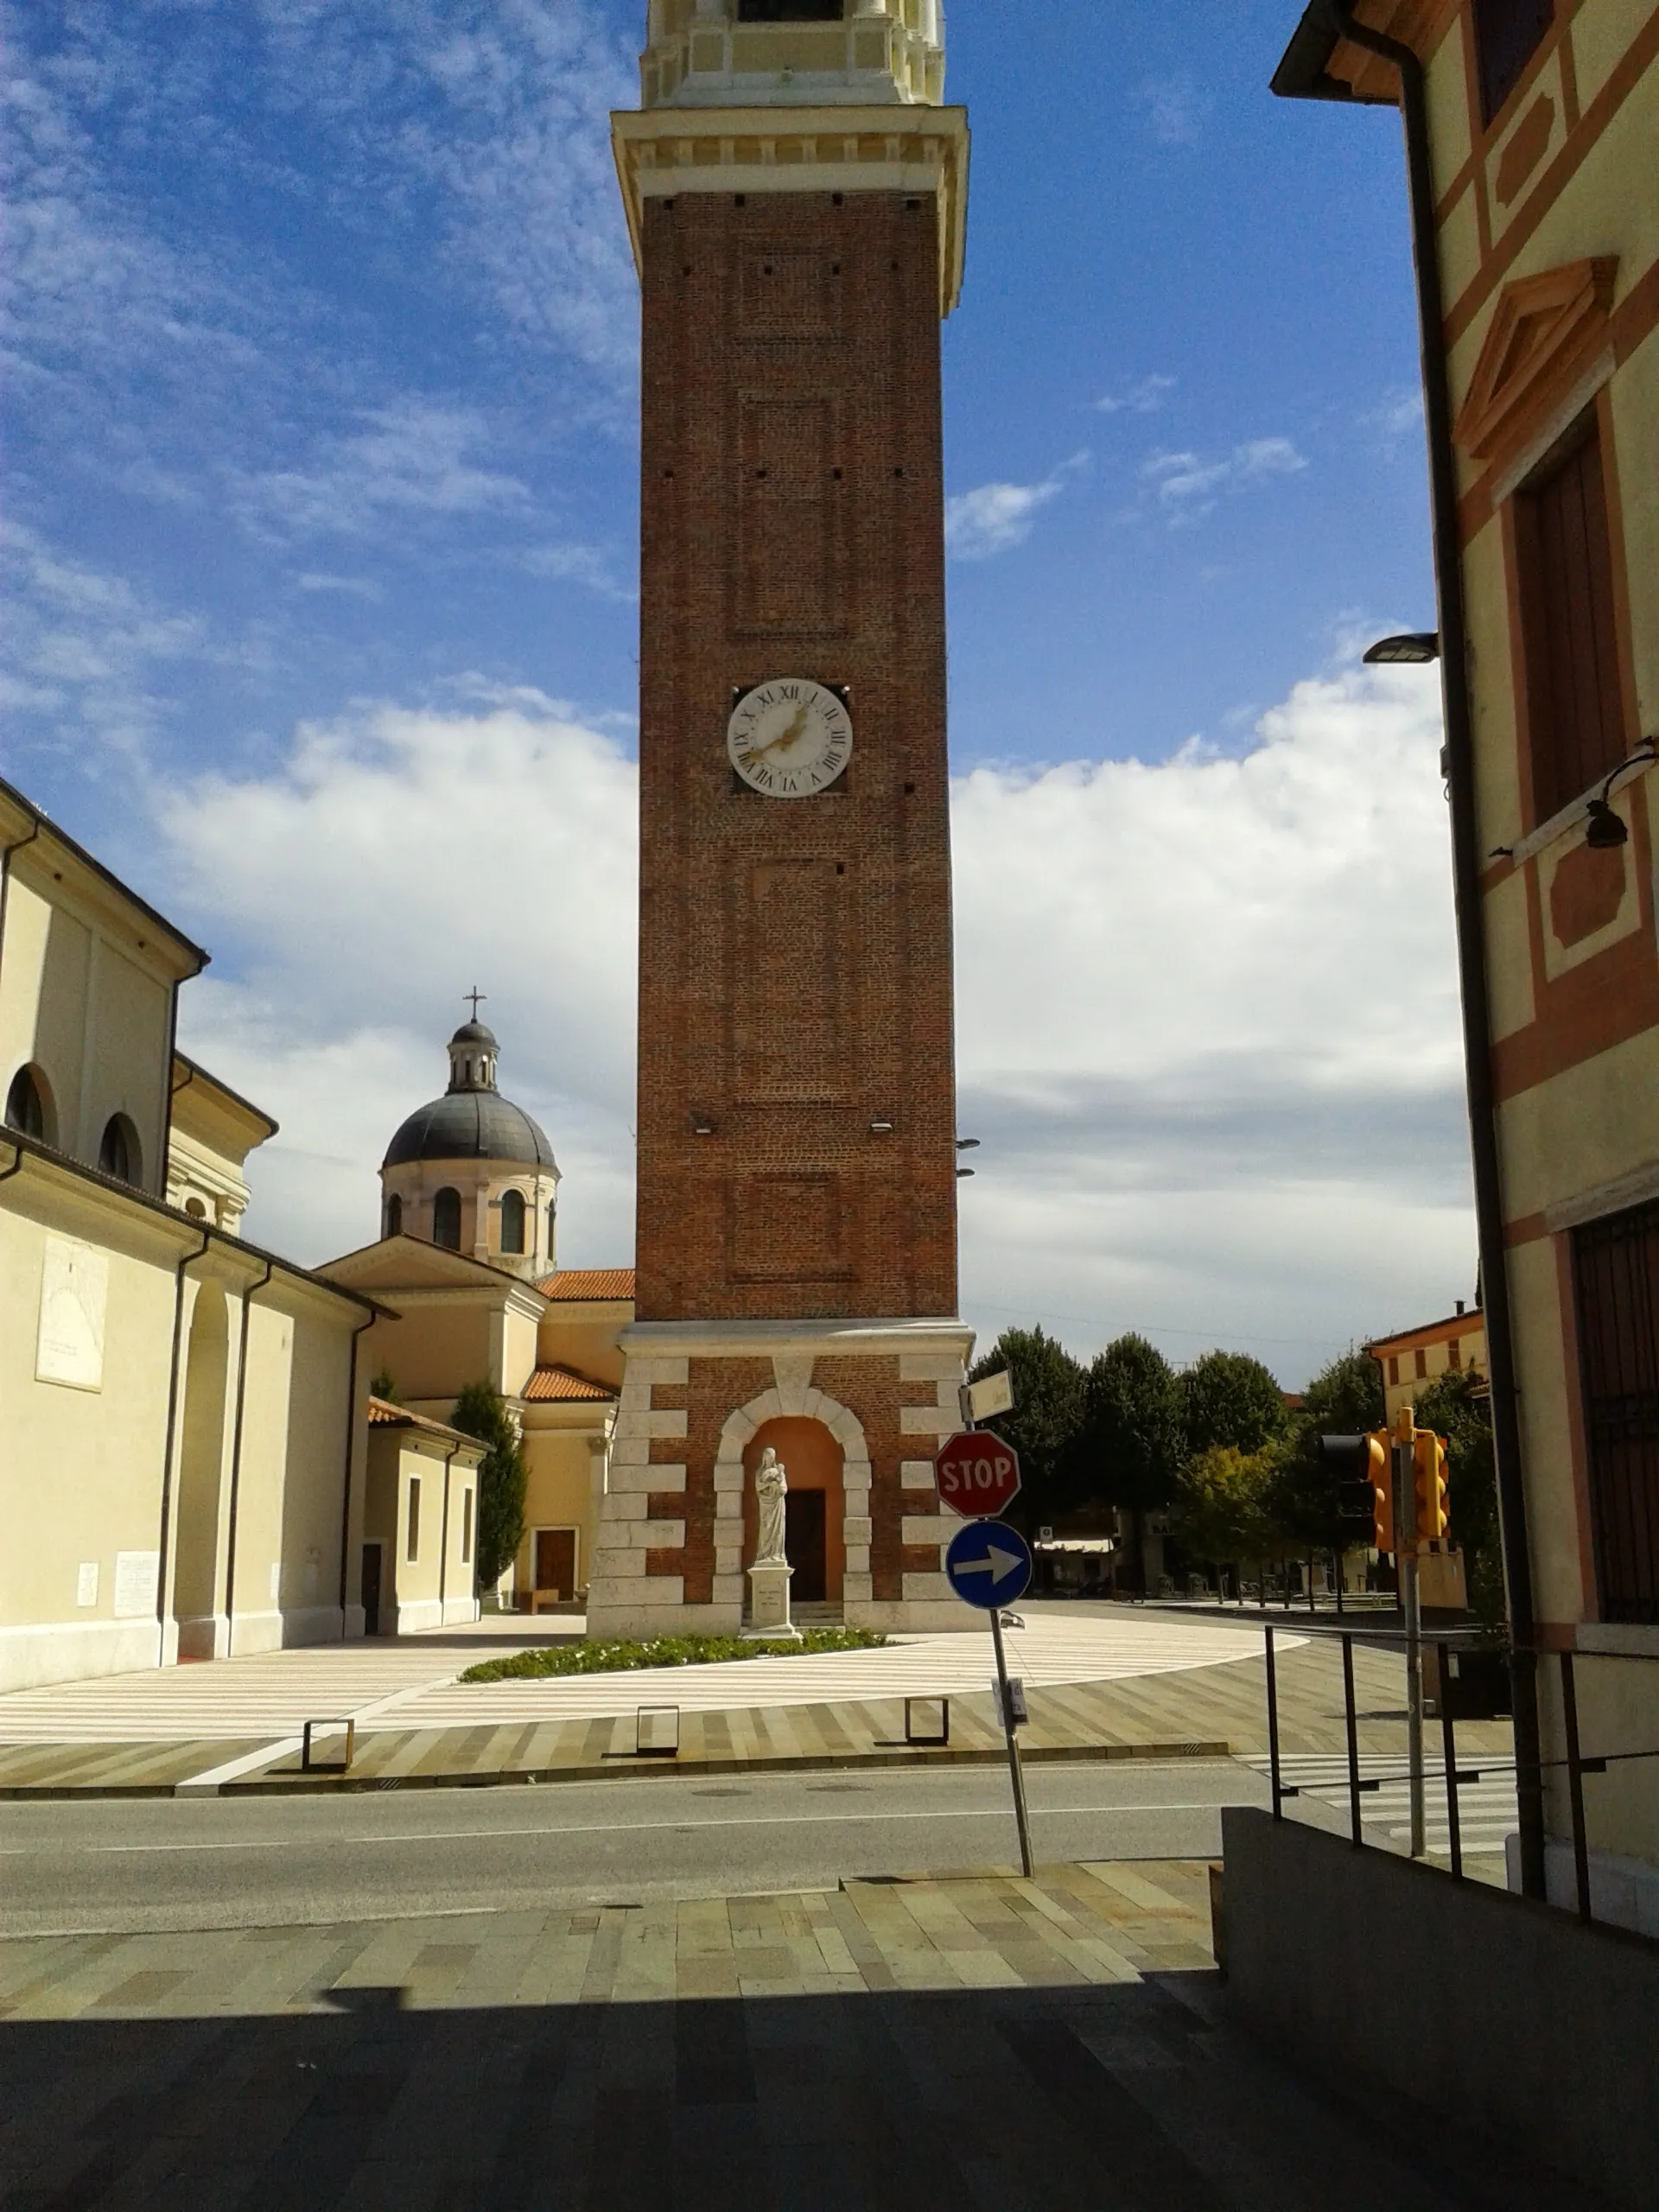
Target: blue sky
[{"x": 320, "y": 538}]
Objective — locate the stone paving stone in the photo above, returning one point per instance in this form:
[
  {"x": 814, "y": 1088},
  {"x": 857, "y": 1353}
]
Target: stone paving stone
[{"x": 980, "y": 2043}]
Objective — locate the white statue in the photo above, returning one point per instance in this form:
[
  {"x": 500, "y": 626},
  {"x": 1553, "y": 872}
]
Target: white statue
[{"x": 771, "y": 1487}]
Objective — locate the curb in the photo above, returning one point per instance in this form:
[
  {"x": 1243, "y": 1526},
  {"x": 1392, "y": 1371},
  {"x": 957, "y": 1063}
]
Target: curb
[{"x": 624, "y": 1767}]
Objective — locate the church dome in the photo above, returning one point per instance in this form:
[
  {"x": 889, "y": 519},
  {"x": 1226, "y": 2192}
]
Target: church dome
[{"x": 472, "y": 1120}]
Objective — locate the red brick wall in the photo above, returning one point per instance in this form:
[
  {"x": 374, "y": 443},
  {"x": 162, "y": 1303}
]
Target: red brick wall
[
  {"x": 871, "y": 1389},
  {"x": 717, "y": 1389},
  {"x": 795, "y": 955}
]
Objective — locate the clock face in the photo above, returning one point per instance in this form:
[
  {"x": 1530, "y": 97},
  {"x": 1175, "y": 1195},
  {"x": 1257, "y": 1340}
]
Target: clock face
[{"x": 790, "y": 738}]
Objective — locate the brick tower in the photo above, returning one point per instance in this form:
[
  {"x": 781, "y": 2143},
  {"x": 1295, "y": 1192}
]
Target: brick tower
[{"x": 796, "y": 195}]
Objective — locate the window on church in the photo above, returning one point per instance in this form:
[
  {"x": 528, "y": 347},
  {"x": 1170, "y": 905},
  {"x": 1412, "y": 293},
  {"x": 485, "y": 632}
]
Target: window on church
[
  {"x": 1508, "y": 33},
  {"x": 467, "y": 1528},
  {"x": 119, "y": 1153},
  {"x": 446, "y": 1218},
  {"x": 414, "y": 1547},
  {"x": 26, "y": 1105},
  {"x": 789, "y": 11},
  {"x": 394, "y": 1216},
  {"x": 512, "y": 1221},
  {"x": 552, "y": 1215}
]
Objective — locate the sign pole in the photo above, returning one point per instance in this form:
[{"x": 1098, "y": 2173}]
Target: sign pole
[{"x": 1021, "y": 1818}]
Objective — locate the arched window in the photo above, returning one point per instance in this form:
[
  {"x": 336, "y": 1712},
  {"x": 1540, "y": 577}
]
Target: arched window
[
  {"x": 119, "y": 1153},
  {"x": 512, "y": 1221},
  {"x": 27, "y": 1109},
  {"x": 552, "y": 1217},
  {"x": 446, "y": 1218},
  {"x": 394, "y": 1216}
]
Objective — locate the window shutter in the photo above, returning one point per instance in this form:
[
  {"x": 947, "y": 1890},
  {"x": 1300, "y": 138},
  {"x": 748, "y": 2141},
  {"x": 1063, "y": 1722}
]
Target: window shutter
[
  {"x": 1575, "y": 717},
  {"x": 1616, "y": 1266}
]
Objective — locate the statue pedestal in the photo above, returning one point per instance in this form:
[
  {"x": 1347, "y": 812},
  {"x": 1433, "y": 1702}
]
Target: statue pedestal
[{"x": 769, "y": 1581}]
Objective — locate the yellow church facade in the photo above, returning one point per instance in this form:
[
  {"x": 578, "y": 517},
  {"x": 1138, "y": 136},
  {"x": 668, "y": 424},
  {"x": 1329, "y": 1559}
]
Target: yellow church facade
[{"x": 182, "y": 1426}]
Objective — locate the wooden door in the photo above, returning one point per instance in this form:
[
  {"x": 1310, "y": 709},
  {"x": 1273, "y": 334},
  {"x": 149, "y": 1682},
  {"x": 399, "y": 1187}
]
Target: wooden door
[
  {"x": 555, "y": 1561},
  {"x": 371, "y": 1589},
  {"x": 803, "y": 1542}
]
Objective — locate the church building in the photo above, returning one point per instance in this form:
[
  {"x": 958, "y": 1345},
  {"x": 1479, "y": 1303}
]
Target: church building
[
  {"x": 467, "y": 1276},
  {"x": 796, "y": 195}
]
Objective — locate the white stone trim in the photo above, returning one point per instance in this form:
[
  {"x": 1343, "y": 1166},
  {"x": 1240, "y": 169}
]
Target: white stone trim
[
  {"x": 931, "y": 1367},
  {"x": 765, "y": 1339},
  {"x": 916, "y": 1474},
  {"x": 930, "y": 1527},
  {"x": 920, "y": 1589},
  {"x": 927, "y": 1421}
]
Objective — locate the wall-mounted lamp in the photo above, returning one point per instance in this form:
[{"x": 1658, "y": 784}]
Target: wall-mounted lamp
[
  {"x": 881, "y": 1128},
  {"x": 1410, "y": 648},
  {"x": 702, "y": 1125},
  {"x": 1606, "y": 831},
  {"x": 966, "y": 1144},
  {"x": 961, "y": 1172}
]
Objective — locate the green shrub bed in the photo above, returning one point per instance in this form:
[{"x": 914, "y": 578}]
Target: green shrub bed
[{"x": 617, "y": 1655}]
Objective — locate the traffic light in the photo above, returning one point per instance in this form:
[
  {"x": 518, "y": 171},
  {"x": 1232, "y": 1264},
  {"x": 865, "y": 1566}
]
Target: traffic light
[
  {"x": 1364, "y": 1491},
  {"x": 1428, "y": 1475}
]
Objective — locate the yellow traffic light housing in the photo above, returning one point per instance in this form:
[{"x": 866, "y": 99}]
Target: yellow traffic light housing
[
  {"x": 1428, "y": 1460},
  {"x": 1378, "y": 1472}
]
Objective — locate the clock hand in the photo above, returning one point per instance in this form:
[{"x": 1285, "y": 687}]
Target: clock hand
[{"x": 797, "y": 725}]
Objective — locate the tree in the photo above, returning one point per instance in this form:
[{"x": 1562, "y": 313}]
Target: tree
[
  {"x": 502, "y": 1478},
  {"x": 1047, "y": 1409},
  {"x": 1456, "y": 1406},
  {"x": 1227, "y": 1397},
  {"x": 1224, "y": 1506},
  {"x": 384, "y": 1386},
  {"x": 1345, "y": 1398},
  {"x": 1130, "y": 1445}
]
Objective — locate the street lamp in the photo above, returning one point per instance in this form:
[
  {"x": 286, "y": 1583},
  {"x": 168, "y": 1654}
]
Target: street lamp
[{"x": 1410, "y": 647}]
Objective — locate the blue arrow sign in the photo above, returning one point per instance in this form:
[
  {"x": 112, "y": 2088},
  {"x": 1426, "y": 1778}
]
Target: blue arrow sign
[{"x": 988, "y": 1564}]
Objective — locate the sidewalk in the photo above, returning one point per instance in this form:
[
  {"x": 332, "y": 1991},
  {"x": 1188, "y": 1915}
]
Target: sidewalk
[
  {"x": 917, "y": 2046},
  {"x": 1210, "y": 1710}
]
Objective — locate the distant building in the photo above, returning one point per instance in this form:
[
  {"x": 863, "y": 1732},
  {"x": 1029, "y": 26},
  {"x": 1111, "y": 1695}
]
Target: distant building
[
  {"x": 1532, "y": 129},
  {"x": 1416, "y": 1357}
]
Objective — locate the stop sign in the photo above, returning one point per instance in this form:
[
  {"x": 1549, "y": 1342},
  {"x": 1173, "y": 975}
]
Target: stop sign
[{"x": 977, "y": 1473}]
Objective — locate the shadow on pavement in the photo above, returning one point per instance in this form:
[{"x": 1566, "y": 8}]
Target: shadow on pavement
[{"x": 1136, "y": 2096}]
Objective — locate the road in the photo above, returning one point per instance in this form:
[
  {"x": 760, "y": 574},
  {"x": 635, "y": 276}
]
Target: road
[{"x": 124, "y": 1867}]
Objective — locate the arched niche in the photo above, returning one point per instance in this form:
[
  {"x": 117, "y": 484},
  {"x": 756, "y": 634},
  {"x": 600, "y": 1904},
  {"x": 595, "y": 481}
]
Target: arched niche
[{"x": 813, "y": 1463}]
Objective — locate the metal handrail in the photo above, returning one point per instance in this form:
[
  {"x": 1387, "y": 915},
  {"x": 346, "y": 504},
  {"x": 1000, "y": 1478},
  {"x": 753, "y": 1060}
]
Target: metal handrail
[{"x": 1576, "y": 1764}]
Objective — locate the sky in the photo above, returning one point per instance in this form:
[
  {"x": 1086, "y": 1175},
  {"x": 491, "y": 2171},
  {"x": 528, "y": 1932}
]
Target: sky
[{"x": 319, "y": 542}]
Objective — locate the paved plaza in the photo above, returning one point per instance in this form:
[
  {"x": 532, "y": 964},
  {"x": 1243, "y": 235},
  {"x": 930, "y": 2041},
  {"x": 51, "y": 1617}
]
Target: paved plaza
[{"x": 982, "y": 2042}]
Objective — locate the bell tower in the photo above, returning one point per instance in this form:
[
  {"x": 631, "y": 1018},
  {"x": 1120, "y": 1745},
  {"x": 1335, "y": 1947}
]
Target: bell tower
[{"x": 795, "y": 196}]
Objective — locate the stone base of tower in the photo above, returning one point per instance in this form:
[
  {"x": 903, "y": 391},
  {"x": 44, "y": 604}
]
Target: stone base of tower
[{"x": 856, "y": 1409}]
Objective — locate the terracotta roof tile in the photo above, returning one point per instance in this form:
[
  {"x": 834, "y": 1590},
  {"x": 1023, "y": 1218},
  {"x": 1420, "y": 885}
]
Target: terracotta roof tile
[
  {"x": 596, "y": 1283},
  {"x": 552, "y": 1385},
  {"x": 383, "y": 1413}
]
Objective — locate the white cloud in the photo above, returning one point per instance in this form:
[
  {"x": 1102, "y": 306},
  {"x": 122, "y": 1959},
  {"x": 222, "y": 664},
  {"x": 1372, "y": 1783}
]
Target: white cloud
[
  {"x": 995, "y": 518},
  {"x": 85, "y": 646},
  {"x": 1397, "y": 415},
  {"x": 398, "y": 857},
  {"x": 1186, "y": 485},
  {"x": 1144, "y": 398},
  {"x": 1175, "y": 109},
  {"x": 1207, "y": 1009},
  {"x": 413, "y": 458}
]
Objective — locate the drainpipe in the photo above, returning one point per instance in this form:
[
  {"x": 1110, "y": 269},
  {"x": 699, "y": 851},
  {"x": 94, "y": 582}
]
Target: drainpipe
[
  {"x": 443, "y": 1536},
  {"x": 345, "y": 1481},
  {"x": 248, "y": 1297},
  {"x": 189, "y": 1261},
  {"x": 1472, "y": 942}
]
